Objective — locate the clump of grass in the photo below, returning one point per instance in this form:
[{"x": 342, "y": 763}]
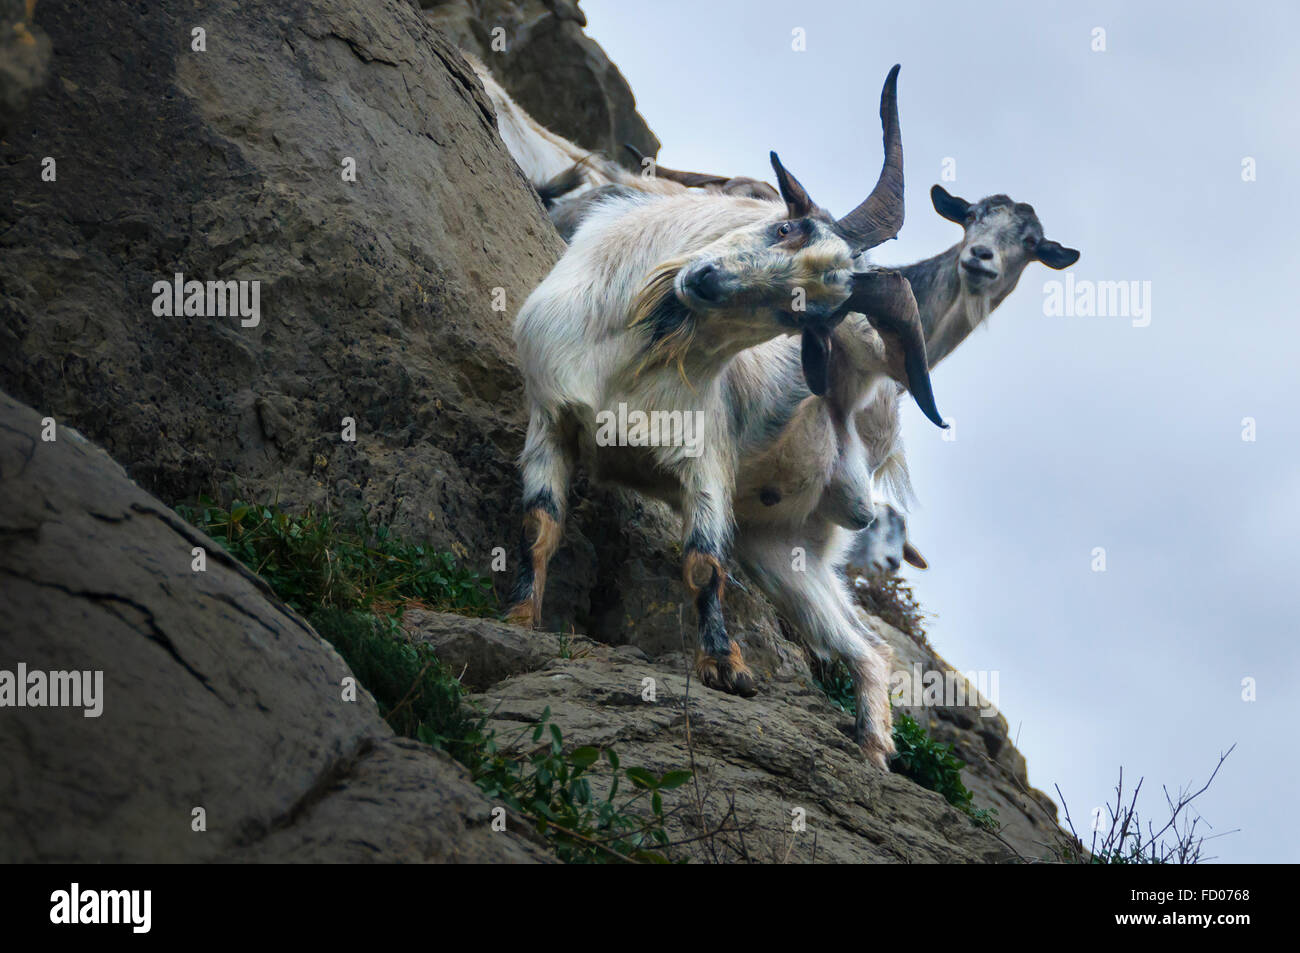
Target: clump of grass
[
  {"x": 417, "y": 695},
  {"x": 312, "y": 561},
  {"x": 930, "y": 763},
  {"x": 352, "y": 584}
]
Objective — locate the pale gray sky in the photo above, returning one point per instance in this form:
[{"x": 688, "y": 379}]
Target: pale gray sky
[{"x": 1071, "y": 432}]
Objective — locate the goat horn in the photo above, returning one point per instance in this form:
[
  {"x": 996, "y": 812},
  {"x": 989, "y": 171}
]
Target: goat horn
[
  {"x": 880, "y": 216},
  {"x": 886, "y": 298},
  {"x": 688, "y": 179}
]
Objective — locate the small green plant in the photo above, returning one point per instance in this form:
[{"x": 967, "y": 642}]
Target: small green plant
[
  {"x": 554, "y": 790},
  {"x": 416, "y": 694},
  {"x": 352, "y": 585},
  {"x": 930, "y": 763}
]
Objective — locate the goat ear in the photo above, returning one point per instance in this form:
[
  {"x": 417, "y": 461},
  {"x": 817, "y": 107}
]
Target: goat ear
[
  {"x": 798, "y": 203},
  {"x": 913, "y": 557},
  {"x": 949, "y": 206},
  {"x": 1055, "y": 255}
]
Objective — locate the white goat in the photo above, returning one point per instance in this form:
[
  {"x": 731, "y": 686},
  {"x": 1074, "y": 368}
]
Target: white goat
[
  {"x": 726, "y": 274},
  {"x": 801, "y": 496}
]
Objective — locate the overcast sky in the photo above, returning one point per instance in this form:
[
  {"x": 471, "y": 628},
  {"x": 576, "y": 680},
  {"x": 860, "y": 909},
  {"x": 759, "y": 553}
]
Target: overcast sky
[{"x": 1071, "y": 432}]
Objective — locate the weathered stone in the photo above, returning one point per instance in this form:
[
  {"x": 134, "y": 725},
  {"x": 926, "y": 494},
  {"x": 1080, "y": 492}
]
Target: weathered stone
[
  {"x": 377, "y": 304},
  {"x": 995, "y": 771},
  {"x": 788, "y": 747},
  {"x": 215, "y": 695},
  {"x": 377, "y": 296}
]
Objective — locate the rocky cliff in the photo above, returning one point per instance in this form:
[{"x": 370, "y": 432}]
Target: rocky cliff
[{"x": 341, "y": 154}]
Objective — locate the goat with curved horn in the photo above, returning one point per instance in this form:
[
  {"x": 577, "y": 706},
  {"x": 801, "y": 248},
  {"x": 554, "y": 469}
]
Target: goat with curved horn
[{"x": 880, "y": 215}]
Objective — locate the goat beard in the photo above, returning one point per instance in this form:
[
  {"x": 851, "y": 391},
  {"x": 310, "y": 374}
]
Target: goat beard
[
  {"x": 977, "y": 308},
  {"x": 670, "y": 324}
]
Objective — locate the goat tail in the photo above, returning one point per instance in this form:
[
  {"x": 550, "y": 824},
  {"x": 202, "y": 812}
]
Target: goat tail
[{"x": 561, "y": 185}]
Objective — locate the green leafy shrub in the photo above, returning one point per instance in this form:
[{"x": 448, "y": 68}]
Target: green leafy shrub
[
  {"x": 928, "y": 762},
  {"x": 921, "y": 758},
  {"x": 352, "y": 584},
  {"x": 554, "y": 790},
  {"x": 416, "y": 694}
]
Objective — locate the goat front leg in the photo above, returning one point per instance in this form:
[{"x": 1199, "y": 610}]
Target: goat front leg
[
  {"x": 706, "y": 533},
  {"x": 546, "y": 464}
]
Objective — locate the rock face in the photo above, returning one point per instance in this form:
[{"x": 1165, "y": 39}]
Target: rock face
[
  {"x": 551, "y": 68},
  {"x": 385, "y": 303},
  {"x": 995, "y": 772},
  {"x": 762, "y": 758},
  {"x": 214, "y": 695},
  {"x": 376, "y": 296}
]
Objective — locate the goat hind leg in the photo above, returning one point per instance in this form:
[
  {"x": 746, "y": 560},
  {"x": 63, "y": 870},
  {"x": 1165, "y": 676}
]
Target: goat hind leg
[
  {"x": 546, "y": 465},
  {"x": 816, "y": 604},
  {"x": 706, "y": 512}
]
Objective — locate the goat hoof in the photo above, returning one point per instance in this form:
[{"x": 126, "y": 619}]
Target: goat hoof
[
  {"x": 726, "y": 673},
  {"x": 875, "y": 748},
  {"x": 522, "y": 614}
]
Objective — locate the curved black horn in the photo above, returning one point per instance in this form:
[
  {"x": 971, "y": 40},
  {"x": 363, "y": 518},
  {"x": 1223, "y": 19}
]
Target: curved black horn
[
  {"x": 880, "y": 216},
  {"x": 886, "y": 298},
  {"x": 798, "y": 202}
]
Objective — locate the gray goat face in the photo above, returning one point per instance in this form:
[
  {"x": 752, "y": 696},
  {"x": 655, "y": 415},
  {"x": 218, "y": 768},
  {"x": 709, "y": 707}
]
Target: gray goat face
[
  {"x": 883, "y": 546},
  {"x": 1002, "y": 237}
]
